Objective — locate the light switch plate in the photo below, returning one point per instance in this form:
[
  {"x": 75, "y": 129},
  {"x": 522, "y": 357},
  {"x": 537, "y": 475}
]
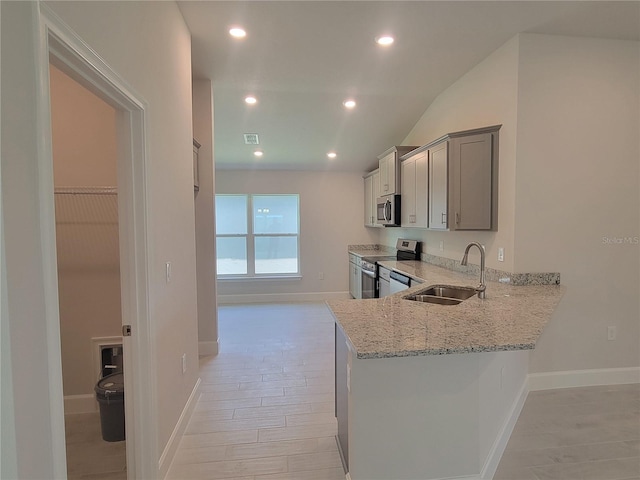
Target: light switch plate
[{"x": 500, "y": 254}]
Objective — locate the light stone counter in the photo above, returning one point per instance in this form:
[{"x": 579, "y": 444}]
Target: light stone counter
[
  {"x": 510, "y": 318},
  {"x": 371, "y": 250}
]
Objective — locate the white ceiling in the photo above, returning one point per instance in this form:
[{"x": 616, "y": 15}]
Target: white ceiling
[{"x": 301, "y": 59}]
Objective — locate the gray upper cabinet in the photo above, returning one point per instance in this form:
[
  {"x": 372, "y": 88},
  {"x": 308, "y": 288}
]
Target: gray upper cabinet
[
  {"x": 389, "y": 166},
  {"x": 462, "y": 182},
  {"x": 471, "y": 182},
  {"x": 371, "y": 193},
  {"x": 438, "y": 186},
  {"x": 414, "y": 190}
]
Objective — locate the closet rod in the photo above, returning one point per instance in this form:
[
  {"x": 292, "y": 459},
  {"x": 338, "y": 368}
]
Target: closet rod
[{"x": 86, "y": 191}]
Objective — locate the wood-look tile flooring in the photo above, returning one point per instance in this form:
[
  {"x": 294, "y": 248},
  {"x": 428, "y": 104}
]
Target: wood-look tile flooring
[
  {"x": 266, "y": 411},
  {"x": 587, "y": 433},
  {"x": 89, "y": 457}
]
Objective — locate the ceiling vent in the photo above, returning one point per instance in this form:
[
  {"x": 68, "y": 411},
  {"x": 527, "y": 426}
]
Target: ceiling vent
[{"x": 251, "y": 139}]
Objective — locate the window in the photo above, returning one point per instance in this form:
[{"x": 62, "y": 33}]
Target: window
[{"x": 257, "y": 235}]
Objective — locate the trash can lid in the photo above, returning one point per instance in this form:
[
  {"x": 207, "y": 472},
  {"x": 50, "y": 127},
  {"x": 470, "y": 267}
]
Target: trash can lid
[{"x": 110, "y": 384}]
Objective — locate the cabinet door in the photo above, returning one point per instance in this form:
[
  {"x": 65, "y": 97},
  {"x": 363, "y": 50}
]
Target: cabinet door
[
  {"x": 421, "y": 190},
  {"x": 438, "y": 187},
  {"x": 388, "y": 174},
  {"x": 368, "y": 202},
  {"x": 408, "y": 205},
  {"x": 471, "y": 182},
  {"x": 376, "y": 193}
]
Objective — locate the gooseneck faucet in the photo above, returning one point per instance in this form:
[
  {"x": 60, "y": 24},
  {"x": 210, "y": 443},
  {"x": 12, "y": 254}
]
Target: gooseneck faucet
[{"x": 483, "y": 285}]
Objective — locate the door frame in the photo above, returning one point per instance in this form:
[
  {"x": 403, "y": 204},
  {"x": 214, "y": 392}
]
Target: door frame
[{"x": 58, "y": 44}]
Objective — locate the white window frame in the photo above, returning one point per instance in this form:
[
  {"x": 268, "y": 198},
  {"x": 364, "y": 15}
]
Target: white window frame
[{"x": 250, "y": 237}]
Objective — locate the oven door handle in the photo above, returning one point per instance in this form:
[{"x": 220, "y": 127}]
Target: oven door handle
[{"x": 369, "y": 274}]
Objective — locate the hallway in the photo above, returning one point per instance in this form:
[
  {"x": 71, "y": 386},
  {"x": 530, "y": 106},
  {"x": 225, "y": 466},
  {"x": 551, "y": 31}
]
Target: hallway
[{"x": 266, "y": 409}]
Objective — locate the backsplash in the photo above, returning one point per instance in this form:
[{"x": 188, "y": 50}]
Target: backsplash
[{"x": 493, "y": 274}]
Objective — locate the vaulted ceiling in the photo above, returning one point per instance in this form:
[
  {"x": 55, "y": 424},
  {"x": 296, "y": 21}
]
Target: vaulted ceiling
[{"x": 302, "y": 59}]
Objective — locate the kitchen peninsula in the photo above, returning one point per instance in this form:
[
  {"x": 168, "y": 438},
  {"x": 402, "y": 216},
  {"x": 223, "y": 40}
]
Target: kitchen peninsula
[{"x": 426, "y": 391}]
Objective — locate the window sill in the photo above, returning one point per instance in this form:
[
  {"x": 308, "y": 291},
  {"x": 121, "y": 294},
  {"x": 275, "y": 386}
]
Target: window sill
[{"x": 240, "y": 278}]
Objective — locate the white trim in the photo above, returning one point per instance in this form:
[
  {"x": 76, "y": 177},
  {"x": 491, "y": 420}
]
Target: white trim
[
  {"x": 171, "y": 447},
  {"x": 208, "y": 348},
  {"x": 80, "y": 404},
  {"x": 48, "y": 242},
  {"x": 281, "y": 297},
  {"x": 59, "y": 44},
  {"x": 497, "y": 449},
  {"x": 583, "y": 378}
]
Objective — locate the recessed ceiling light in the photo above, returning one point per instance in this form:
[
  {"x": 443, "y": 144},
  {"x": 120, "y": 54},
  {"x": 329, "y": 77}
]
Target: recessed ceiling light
[
  {"x": 258, "y": 153},
  {"x": 349, "y": 103},
  {"x": 250, "y": 100},
  {"x": 384, "y": 40},
  {"x": 237, "y": 32},
  {"x": 332, "y": 154}
]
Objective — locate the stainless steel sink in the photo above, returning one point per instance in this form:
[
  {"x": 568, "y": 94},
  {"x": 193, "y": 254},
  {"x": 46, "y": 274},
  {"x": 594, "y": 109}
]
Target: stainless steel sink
[{"x": 443, "y": 294}]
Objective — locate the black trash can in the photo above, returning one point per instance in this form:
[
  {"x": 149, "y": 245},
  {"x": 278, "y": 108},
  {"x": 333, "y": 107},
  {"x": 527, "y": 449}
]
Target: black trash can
[{"x": 110, "y": 396}]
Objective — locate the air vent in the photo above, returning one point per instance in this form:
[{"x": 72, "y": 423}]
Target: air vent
[{"x": 251, "y": 139}]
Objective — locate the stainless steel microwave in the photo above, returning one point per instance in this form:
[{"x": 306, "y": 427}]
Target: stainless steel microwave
[{"x": 388, "y": 210}]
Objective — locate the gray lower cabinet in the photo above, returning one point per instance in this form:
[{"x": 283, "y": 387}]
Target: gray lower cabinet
[{"x": 342, "y": 395}]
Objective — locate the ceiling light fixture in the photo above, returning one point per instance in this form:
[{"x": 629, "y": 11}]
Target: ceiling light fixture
[
  {"x": 237, "y": 32},
  {"x": 251, "y": 100},
  {"x": 332, "y": 154},
  {"x": 349, "y": 103},
  {"x": 258, "y": 153},
  {"x": 384, "y": 40}
]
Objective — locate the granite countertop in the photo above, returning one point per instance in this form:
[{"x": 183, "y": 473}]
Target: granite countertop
[
  {"x": 510, "y": 318},
  {"x": 371, "y": 251}
]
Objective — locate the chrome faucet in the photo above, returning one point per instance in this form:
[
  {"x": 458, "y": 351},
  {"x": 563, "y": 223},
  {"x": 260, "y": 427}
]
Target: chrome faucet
[{"x": 483, "y": 285}]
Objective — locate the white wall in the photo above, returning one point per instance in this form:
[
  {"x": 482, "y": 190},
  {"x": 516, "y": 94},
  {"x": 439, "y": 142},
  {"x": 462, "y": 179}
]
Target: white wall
[
  {"x": 569, "y": 174},
  {"x": 205, "y": 218},
  {"x": 147, "y": 44},
  {"x": 577, "y": 184},
  {"x": 84, "y": 155},
  {"x": 486, "y": 95},
  {"x": 83, "y": 134},
  {"x": 331, "y": 213}
]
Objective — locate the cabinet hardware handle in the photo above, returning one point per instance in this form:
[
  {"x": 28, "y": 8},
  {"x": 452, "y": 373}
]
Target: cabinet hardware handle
[
  {"x": 457, "y": 218},
  {"x": 443, "y": 218}
]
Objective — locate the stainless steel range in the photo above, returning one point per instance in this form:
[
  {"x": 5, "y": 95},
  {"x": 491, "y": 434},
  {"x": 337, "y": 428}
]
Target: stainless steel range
[{"x": 405, "y": 250}]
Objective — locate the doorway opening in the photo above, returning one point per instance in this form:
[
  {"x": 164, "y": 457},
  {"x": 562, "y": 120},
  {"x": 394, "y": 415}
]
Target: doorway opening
[
  {"x": 85, "y": 154},
  {"x": 63, "y": 49}
]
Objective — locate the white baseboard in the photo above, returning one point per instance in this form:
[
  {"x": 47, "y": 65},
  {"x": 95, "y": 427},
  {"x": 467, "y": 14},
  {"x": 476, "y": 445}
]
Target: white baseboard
[
  {"x": 171, "y": 447},
  {"x": 80, "y": 404},
  {"x": 498, "y": 447},
  {"x": 208, "y": 348},
  {"x": 281, "y": 297},
  {"x": 583, "y": 378}
]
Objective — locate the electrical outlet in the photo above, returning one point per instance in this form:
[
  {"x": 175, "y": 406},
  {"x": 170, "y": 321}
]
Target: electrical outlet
[
  {"x": 184, "y": 362},
  {"x": 611, "y": 333},
  {"x": 500, "y": 254},
  {"x": 168, "y": 271},
  {"x": 441, "y": 245},
  {"x": 321, "y": 276}
]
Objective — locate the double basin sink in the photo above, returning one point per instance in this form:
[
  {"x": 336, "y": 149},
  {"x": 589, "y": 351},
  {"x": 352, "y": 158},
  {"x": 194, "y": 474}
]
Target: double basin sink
[{"x": 443, "y": 294}]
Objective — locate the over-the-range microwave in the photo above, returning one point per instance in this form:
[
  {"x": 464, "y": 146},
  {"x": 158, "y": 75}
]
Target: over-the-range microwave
[{"x": 388, "y": 210}]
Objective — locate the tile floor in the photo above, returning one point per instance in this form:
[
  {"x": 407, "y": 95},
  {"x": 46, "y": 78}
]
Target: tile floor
[
  {"x": 266, "y": 412},
  {"x": 88, "y": 456},
  {"x": 267, "y": 406},
  {"x": 588, "y": 433}
]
